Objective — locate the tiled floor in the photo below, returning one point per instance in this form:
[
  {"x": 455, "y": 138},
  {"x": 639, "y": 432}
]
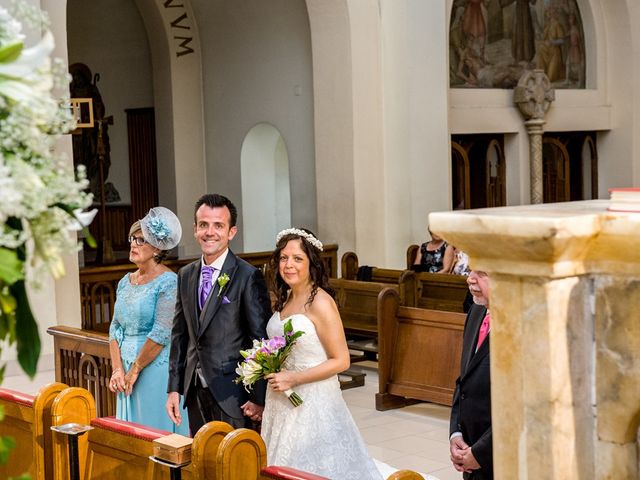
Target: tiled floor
[{"x": 414, "y": 437}]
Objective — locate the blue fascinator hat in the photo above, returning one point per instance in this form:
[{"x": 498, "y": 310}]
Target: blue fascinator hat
[{"x": 161, "y": 228}]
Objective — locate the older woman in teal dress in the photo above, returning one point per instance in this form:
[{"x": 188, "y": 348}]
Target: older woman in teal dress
[{"x": 140, "y": 332}]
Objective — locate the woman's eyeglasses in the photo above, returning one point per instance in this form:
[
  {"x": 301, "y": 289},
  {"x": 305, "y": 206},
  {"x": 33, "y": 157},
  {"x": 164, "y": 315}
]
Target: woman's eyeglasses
[{"x": 137, "y": 240}]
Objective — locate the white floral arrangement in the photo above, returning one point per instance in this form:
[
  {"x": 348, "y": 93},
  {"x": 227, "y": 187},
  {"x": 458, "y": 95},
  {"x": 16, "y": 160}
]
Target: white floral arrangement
[{"x": 41, "y": 197}]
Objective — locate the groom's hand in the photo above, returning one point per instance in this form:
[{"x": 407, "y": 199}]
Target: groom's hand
[
  {"x": 173, "y": 407},
  {"x": 253, "y": 411}
]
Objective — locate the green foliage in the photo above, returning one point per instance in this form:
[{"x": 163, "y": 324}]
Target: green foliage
[
  {"x": 27, "y": 337},
  {"x": 6, "y": 445}
]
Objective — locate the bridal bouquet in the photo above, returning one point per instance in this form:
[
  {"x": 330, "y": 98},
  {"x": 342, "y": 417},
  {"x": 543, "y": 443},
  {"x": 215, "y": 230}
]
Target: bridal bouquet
[{"x": 267, "y": 356}]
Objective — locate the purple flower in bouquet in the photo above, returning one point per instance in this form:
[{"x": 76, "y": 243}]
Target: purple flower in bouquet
[{"x": 268, "y": 356}]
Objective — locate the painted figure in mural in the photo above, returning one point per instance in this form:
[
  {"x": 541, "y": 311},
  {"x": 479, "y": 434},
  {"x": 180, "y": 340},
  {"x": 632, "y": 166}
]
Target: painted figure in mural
[
  {"x": 550, "y": 57},
  {"x": 456, "y": 43},
  {"x": 523, "y": 39},
  {"x": 85, "y": 143},
  {"x": 574, "y": 57},
  {"x": 475, "y": 72},
  {"x": 473, "y": 26},
  {"x": 495, "y": 24}
]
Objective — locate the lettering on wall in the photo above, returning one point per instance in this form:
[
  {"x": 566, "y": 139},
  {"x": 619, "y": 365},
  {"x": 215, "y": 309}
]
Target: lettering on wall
[{"x": 180, "y": 25}]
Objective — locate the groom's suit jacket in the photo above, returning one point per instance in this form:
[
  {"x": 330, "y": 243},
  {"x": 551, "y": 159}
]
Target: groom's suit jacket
[
  {"x": 471, "y": 409},
  {"x": 212, "y": 338}
]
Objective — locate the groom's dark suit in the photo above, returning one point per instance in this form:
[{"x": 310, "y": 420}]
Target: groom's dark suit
[
  {"x": 212, "y": 338},
  {"x": 471, "y": 409}
]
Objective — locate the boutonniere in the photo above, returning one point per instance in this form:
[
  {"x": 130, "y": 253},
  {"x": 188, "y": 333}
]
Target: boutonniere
[{"x": 222, "y": 281}]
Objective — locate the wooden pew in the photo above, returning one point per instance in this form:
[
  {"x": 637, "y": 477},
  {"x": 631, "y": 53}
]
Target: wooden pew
[
  {"x": 419, "y": 353},
  {"x": 28, "y": 420},
  {"x": 98, "y": 284}
]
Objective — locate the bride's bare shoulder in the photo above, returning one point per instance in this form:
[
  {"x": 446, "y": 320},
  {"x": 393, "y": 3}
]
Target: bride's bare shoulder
[{"x": 323, "y": 305}]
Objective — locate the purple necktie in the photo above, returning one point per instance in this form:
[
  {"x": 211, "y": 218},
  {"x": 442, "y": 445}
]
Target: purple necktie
[{"x": 205, "y": 285}]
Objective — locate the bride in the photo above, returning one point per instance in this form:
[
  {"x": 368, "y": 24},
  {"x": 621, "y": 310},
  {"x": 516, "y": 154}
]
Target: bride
[{"x": 320, "y": 435}]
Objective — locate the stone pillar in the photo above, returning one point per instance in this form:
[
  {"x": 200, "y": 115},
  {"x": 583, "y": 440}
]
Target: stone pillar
[
  {"x": 533, "y": 96},
  {"x": 565, "y": 338}
]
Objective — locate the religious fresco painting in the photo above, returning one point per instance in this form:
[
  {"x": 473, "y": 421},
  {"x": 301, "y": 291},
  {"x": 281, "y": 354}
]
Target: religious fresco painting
[{"x": 491, "y": 42}]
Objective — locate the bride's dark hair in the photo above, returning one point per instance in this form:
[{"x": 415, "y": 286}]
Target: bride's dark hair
[{"x": 317, "y": 271}]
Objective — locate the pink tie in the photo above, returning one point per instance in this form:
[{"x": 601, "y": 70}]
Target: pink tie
[{"x": 484, "y": 330}]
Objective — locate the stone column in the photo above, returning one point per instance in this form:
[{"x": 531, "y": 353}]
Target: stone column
[
  {"x": 565, "y": 335},
  {"x": 533, "y": 96}
]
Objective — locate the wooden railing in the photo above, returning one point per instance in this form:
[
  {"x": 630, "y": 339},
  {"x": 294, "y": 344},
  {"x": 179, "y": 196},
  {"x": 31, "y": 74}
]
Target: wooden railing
[
  {"x": 98, "y": 284},
  {"x": 82, "y": 360}
]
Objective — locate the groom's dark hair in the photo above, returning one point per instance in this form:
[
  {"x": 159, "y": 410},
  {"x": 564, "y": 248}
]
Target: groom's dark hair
[{"x": 214, "y": 200}]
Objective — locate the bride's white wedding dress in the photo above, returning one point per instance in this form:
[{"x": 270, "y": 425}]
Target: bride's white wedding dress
[{"x": 320, "y": 435}]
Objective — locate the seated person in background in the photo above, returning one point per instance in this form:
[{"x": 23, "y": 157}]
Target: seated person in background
[
  {"x": 434, "y": 256},
  {"x": 460, "y": 262}
]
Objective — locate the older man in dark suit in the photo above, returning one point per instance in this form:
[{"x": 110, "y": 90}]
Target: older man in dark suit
[
  {"x": 221, "y": 307},
  {"x": 470, "y": 427}
]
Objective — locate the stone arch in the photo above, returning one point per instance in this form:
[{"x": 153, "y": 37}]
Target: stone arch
[{"x": 178, "y": 96}]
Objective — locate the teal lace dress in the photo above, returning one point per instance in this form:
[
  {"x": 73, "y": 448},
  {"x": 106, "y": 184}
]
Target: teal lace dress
[{"x": 146, "y": 312}]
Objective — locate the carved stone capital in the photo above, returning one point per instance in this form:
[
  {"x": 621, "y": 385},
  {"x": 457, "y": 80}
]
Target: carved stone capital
[{"x": 534, "y": 94}]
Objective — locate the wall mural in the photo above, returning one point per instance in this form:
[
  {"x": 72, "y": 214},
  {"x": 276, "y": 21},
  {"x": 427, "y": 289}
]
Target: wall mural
[{"x": 492, "y": 41}]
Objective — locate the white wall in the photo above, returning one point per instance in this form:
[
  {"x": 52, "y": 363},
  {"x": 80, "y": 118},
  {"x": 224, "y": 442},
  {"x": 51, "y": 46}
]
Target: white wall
[
  {"x": 109, "y": 37},
  {"x": 257, "y": 68},
  {"x": 417, "y": 156}
]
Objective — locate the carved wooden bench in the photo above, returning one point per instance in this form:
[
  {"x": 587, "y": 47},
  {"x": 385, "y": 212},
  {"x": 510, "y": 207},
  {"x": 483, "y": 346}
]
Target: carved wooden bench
[{"x": 419, "y": 353}]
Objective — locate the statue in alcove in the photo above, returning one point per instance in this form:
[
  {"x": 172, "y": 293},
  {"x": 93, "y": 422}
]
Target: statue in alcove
[{"x": 90, "y": 144}]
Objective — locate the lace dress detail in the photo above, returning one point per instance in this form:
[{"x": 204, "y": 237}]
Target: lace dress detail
[
  {"x": 320, "y": 435},
  {"x": 145, "y": 312}
]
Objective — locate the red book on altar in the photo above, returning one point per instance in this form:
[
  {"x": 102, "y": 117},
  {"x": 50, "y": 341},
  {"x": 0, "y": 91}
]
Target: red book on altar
[{"x": 624, "y": 199}]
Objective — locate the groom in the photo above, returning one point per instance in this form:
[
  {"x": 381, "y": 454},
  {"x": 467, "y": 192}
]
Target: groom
[{"x": 221, "y": 307}]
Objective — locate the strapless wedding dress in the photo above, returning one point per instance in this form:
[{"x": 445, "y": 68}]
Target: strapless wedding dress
[{"x": 320, "y": 435}]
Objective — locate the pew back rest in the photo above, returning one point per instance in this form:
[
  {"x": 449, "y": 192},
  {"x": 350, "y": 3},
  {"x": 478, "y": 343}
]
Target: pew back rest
[
  {"x": 241, "y": 456},
  {"x": 412, "y": 253},
  {"x": 72, "y": 405},
  {"x": 98, "y": 284},
  {"x": 357, "y": 303},
  {"x": 404, "y": 279},
  {"x": 120, "y": 449},
  {"x": 204, "y": 450},
  {"x": 19, "y": 424},
  {"x": 288, "y": 473},
  {"x": 419, "y": 353},
  {"x": 441, "y": 291},
  {"x": 28, "y": 420}
]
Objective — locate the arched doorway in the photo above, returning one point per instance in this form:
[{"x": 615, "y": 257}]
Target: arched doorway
[{"x": 266, "y": 193}]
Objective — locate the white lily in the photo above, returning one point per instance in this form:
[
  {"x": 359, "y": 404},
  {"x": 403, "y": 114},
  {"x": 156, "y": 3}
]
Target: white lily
[{"x": 82, "y": 219}]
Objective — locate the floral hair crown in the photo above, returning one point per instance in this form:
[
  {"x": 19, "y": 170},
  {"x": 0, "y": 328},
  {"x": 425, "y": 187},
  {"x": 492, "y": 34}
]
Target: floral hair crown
[{"x": 301, "y": 233}]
